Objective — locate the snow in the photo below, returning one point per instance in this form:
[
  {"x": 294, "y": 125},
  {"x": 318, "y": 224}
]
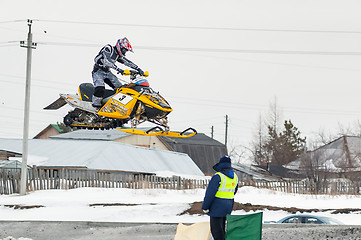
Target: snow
[
  {"x": 11, "y": 238},
  {"x": 32, "y": 159},
  {"x": 330, "y": 165},
  {"x": 186, "y": 176},
  {"x": 159, "y": 205}
]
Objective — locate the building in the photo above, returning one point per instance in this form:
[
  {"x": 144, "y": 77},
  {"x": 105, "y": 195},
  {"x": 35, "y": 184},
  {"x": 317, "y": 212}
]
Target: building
[
  {"x": 342, "y": 154},
  {"x": 340, "y": 158},
  {"x": 102, "y": 155},
  {"x": 203, "y": 150},
  {"x": 251, "y": 172},
  {"x": 10, "y": 164},
  {"x": 6, "y": 155},
  {"x": 50, "y": 130}
]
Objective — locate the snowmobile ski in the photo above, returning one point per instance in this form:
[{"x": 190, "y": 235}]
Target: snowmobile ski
[{"x": 158, "y": 131}]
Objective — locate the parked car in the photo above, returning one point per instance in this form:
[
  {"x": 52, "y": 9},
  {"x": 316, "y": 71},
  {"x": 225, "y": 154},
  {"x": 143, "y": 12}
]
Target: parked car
[{"x": 308, "y": 219}]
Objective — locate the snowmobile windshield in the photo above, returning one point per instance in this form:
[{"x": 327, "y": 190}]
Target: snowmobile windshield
[{"x": 142, "y": 82}]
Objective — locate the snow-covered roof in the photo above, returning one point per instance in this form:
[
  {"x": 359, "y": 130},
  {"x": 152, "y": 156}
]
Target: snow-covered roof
[
  {"x": 10, "y": 164},
  {"x": 103, "y": 155},
  {"x": 83, "y": 134},
  {"x": 204, "y": 150},
  {"x": 255, "y": 172},
  {"x": 344, "y": 152}
]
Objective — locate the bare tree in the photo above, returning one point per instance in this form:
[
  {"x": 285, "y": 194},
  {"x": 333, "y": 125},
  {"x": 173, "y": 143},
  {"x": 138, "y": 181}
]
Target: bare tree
[
  {"x": 353, "y": 129},
  {"x": 257, "y": 145},
  {"x": 315, "y": 170},
  {"x": 322, "y": 137},
  {"x": 274, "y": 116},
  {"x": 274, "y": 119},
  {"x": 240, "y": 153}
]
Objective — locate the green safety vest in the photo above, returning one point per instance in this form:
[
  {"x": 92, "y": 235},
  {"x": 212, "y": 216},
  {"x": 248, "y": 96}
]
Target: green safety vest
[{"x": 227, "y": 187}]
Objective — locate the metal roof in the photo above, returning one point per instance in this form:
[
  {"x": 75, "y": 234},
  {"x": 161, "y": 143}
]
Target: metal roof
[
  {"x": 85, "y": 134},
  {"x": 343, "y": 152},
  {"x": 255, "y": 172},
  {"x": 204, "y": 150},
  {"x": 10, "y": 164},
  {"x": 198, "y": 139},
  {"x": 56, "y": 126},
  {"x": 104, "y": 155}
]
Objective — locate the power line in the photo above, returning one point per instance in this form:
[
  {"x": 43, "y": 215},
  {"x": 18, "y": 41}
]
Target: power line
[
  {"x": 12, "y": 21},
  {"x": 257, "y": 107},
  {"x": 70, "y": 44},
  {"x": 207, "y": 102},
  {"x": 206, "y": 28},
  {"x": 8, "y": 44},
  {"x": 219, "y": 50},
  {"x": 252, "y": 51},
  {"x": 37, "y": 80}
]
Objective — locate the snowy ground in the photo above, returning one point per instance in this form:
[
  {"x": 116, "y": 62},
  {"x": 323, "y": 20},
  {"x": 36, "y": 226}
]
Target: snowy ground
[
  {"x": 163, "y": 206},
  {"x": 156, "y": 206}
]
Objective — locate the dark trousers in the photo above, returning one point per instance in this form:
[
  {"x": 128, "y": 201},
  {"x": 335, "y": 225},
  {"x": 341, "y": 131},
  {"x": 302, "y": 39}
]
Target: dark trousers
[{"x": 218, "y": 227}]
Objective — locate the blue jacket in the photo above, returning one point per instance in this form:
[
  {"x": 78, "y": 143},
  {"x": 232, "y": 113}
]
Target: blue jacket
[{"x": 218, "y": 207}]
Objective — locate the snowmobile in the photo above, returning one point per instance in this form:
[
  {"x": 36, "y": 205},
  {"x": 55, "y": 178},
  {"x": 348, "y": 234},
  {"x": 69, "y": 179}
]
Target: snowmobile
[{"x": 136, "y": 102}]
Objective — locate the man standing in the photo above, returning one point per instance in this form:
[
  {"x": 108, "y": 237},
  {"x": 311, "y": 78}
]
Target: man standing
[{"x": 219, "y": 197}]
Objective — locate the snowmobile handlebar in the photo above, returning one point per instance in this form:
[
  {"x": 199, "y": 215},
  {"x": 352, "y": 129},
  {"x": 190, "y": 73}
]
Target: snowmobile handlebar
[
  {"x": 157, "y": 128},
  {"x": 134, "y": 73},
  {"x": 189, "y": 129}
]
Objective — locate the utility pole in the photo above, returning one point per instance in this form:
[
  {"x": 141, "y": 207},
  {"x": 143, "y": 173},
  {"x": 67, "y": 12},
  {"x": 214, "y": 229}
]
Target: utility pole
[
  {"x": 29, "y": 45},
  {"x": 226, "y": 133},
  {"x": 212, "y": 131}
]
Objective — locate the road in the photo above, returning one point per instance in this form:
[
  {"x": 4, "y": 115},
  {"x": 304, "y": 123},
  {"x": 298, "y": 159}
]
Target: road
[{"x": 42, "y": 230}]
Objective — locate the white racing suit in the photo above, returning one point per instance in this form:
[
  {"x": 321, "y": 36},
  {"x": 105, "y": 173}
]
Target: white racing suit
[{"x": 101, "y": 73}]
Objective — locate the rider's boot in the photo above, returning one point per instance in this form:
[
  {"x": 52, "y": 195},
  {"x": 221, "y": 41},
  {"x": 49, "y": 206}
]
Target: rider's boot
[{"x": 97, "y": 102}]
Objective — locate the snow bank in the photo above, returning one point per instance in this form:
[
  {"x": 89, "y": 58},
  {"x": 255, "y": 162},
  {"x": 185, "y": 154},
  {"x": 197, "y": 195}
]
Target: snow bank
[
  {"x": 11, "y": 238},
  {"x": 158, "y": 205}
]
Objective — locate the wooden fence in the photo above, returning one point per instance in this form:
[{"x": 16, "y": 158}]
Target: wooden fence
[
  {"x": 307, "y": 187},
  {"x": 42, "y": 179}
]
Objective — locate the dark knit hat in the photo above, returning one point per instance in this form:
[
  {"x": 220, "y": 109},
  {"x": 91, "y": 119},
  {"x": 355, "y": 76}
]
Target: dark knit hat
[{"x": 224, "y": 163}]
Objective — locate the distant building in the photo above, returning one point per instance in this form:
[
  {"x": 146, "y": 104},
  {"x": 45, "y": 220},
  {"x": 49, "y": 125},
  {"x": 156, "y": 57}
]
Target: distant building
[
  {"x": 342, "y": 154},
  {"x": 339, "y": 158},
  {"x": 102, "y": 155},
  {"x": 251, "y": 172},
  {"x": 203, "y": 150},
  {"x": 283, "y": 172},
  {"x": 5, "y": 155},
  {"x": 50, "y": 130},
  {"x": 10, "y": 164}
]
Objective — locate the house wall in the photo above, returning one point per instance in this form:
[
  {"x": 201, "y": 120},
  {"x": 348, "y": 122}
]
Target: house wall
[
  {"x": 4, "y": 155},
  {"x": 47, "y": 133},
  {"x": 143, "y": 141}
]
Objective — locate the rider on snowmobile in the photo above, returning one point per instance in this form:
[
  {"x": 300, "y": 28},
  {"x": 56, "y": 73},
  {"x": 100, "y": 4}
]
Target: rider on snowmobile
[{"x": 105, "y": 60}]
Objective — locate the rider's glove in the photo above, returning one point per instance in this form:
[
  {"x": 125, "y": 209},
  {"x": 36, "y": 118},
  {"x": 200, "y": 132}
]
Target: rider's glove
[
  {"x": 140, "y": 71},
  {"x": 206, "y": 211},
  {"x": 120, "y": 71}
]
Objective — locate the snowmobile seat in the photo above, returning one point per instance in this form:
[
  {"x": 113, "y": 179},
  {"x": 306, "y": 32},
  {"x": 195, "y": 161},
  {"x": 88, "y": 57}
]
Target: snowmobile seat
[{"x": 86, "y": 91}]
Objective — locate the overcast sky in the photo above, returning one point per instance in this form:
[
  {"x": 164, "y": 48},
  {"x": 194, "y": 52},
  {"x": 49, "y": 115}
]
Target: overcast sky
[{"x": 208, "y": 58}]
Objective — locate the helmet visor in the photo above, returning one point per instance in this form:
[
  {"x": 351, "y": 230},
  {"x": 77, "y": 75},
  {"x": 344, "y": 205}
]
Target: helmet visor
[{"x": 123, "y": 51}]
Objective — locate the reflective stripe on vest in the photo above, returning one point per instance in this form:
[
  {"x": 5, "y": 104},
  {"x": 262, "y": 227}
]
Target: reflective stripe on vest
[{"x": 227, "y": 187}]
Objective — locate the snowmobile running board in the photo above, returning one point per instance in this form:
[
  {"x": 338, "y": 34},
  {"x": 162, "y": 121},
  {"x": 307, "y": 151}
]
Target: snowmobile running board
[{"x": 157, "y": 131}]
